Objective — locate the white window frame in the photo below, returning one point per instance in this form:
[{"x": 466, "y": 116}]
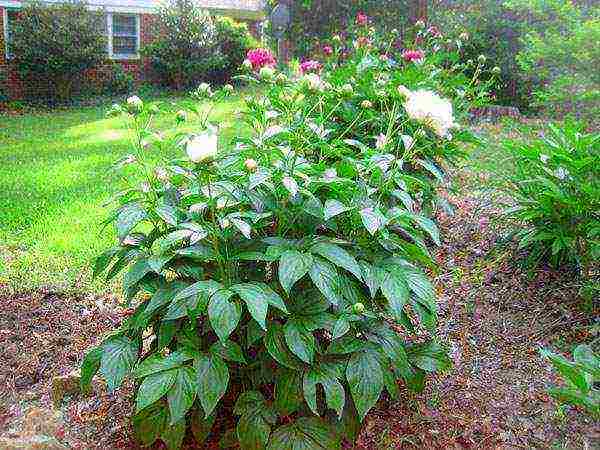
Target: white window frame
[
  {"x": 109, "y": 20},
  {"x": 7, "y": 54}
]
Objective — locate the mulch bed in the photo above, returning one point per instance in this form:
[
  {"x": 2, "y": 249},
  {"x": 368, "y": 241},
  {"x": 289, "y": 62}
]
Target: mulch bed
[{"x": 494, "y": 316}]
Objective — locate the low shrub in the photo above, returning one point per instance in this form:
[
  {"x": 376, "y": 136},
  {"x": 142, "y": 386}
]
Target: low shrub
[
  {"x": 581, "y": 377},
  {"x": 119, "y": 81},
  {"x": 193, "y": 47},
  {"x": 56, "y": 42},
  {"x": 555, "y": 183},
  {"x": 285, "y": 281}
]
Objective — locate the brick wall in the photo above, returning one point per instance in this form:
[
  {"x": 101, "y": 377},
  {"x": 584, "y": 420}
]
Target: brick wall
[{"x": 12, "y": 87}]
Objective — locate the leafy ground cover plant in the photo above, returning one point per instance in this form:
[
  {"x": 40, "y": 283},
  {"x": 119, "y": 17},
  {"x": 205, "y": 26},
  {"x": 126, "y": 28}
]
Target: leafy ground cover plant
[
  {"x": 556, "y": 186},
  {"x": 581, "y": 377},
  {"x": 283, "y": 283}
]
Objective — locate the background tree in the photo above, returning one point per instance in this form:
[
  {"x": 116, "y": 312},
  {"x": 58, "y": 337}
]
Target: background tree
[{"x": 57, "y": 42}]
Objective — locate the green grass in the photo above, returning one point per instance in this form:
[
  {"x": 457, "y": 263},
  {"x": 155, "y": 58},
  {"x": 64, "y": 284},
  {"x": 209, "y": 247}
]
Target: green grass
[{"x": 55, "y": 178}]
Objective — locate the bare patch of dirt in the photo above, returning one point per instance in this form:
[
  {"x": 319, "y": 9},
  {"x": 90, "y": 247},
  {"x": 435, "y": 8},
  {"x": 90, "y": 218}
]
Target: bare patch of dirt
[{"x": 494, "y": 316}]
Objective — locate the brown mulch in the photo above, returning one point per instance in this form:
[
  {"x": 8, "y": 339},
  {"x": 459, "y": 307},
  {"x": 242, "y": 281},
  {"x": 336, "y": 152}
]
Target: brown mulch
[{"x": 494, "y": 316}]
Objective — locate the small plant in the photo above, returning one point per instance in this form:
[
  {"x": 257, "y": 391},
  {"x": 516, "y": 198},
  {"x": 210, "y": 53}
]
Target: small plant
[
  {"x": 556, "y": 187},
  {"x": 284, "y": 282},
  {"x": 581, "y": 377}
]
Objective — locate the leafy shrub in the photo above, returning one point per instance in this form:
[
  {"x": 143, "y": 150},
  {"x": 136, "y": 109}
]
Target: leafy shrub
[
  {"x": 315, "y": 20},
  {"x": 581, "y": 377},
  {"x": 192, "y": 47},
  {"x": 56, "y": 42},
  {"x": 556, "y": 187},
  {"x": 119, "y": 81},
  {"x": 284, "y": 281},
  {"x": 544, "y": 47},
  {"x": 562, "y": 57}
]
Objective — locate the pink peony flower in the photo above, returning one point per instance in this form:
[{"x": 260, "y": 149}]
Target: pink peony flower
[
  {"x": 434, "y": 31},
  {"x": 362, "y": 41},
  {"x": 310, "y": 66},
  {"x": 362, "y": 19},
  {"x": 327, "y": 50},
  {"x": 413, "y": 55},
  {"x": 261, "y": 57}
]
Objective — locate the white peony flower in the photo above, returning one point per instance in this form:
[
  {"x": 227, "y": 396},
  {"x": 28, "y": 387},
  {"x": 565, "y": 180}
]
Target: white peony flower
[
  {"x": 432, "y": 110},
  {"x": 203, "y": 146},
  {"x": 313, "y": 81},
  {"x": 134, "y": 104}
]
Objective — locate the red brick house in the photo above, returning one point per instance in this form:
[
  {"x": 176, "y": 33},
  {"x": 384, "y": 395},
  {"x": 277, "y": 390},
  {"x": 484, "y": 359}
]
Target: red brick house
[{"x": 128, "y": 27}]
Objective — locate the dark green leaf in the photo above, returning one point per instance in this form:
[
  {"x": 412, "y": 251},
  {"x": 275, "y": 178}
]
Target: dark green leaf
[
  {"x": 149, "y": 423},
  {"x": 277, "y": 348},
  {"x": 288, "y": 391},
  {"x": 429, "y": 356},
  {"x": 325, "y": 277},
  {"x": 334, "y": 208},
  {"x": 306, "y": 433},
  {"x": 173, "y": 435},
  {"x": 395, "y": 289},
  {"x": 154, "y": 387},
  {"x": 365, "y": 379},
  {"x": 168, "y": 213},
  {"x": 253, "y": 432},
  {"x": 293, "y": 265},
  {"x": 158, "y": 363},
  {"x": 299, "y": 340},
  {"x": 183, "y": 393},
  {"x": 338, "y": 256},
  {"x": 213, "y": 377},
  {"x": 229, "y": 350},
  {"x": 118, "y": 356},
  {"x": 89, "y": 367},
  {"x": 256, "y": 300},
  {"x": 223, "y": 314}
]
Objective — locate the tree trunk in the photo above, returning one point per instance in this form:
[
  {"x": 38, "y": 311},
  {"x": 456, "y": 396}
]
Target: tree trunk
[{"x": 418, "y": 11}]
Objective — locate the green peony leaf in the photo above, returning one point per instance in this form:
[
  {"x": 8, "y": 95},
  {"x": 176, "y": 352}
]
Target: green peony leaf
[
  {"x": 277, "y": 348},
  {"x": 365, "y": 378},
  {"x": 288, "y": 391},
  {"x": 200, "y": 425},
  {"x": 293, "y": 265},
  {"x": 306, "y": 433},
  {"x": 334, "y": 208},
  {"x": 395, "y": 290},
  {"x": 118, "y": 356},
  {"x": 159, "y": 363},
  {"x": 89, "y": 367},
  {"x": 154, "y": 387},
  {"x": 229, "y": 350},
  {"x": 173, "y": 435},
  {"x": 213, "y": 377},
  {"x": 223, "y": 314},
  {"x": 149, "y": 424},
  {"x": 183, "y": 393},
  {"x": 325, "y": 277},
  {"x": 128, "y": 217},
  {"x": 338, "y": 256},
  {"x": 299, "y": 340}
]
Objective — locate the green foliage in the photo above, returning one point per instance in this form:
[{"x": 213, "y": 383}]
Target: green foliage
[
  {"x": 119, "y": 81},
  {"x": 57, "y": 42},
  {"x": 563, "y": 56},
  {"x": 315, "y": 20},
  {"x": 192, "y": 46},
  {"x": 286, "y": 277},
  {"x": 581, "y": 377},
  {"x": 556, "y": 187}
]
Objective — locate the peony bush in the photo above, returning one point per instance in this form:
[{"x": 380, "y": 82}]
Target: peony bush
[{"x": 278, "y": 288}]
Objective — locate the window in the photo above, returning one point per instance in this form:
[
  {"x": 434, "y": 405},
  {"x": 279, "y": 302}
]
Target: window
[
  {"x": 124, "y": 35},
  {"x": 9, "y": 17}
]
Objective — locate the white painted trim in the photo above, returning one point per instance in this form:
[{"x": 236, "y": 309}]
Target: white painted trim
[
  {"x": 243, "y": 14},
  {"x": 5, "y": 30},
  {"x": 111, "y": 55}
]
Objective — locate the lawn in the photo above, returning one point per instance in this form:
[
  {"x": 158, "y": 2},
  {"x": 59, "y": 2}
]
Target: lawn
[{"x": 55, "y": 180}]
